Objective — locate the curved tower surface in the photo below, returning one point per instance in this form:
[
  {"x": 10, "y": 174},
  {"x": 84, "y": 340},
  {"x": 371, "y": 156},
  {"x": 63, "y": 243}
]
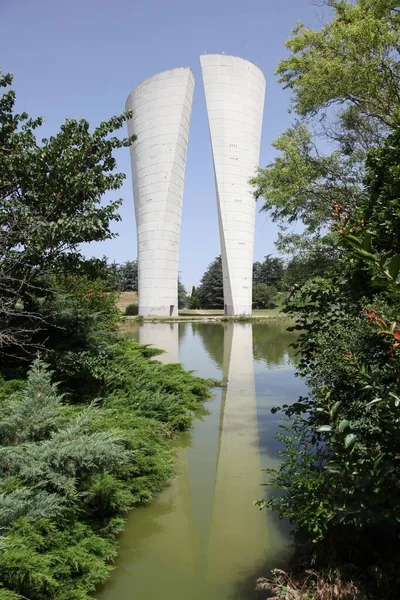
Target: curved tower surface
[
  {"x": 161, "y": 108},
  {"x": 235, "y": 92}
]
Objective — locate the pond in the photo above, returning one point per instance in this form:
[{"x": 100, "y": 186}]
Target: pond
[{"x": 202, "y": 538}]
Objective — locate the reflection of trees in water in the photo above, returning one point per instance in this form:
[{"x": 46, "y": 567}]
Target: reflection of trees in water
[
  {"x": 212, "y": 335},
  {"x": 130, "y": 330},
  {"x": 271, "y": 342},
  {"x": 163, "y": 336},
  {"x": 182, "y": 331}
]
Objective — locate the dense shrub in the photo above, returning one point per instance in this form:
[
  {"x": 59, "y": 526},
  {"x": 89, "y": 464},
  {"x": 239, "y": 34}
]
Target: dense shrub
[
  {"x": 131, "y": 310},
  {"x": 77, "y": 454},
  {"x": 69, "y": 474},
  {"x": 264, "y": 296},
  {"x": 341, "y": 468}
]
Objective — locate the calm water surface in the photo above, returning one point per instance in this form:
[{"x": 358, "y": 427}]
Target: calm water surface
[{"x": 202, "y": 538}]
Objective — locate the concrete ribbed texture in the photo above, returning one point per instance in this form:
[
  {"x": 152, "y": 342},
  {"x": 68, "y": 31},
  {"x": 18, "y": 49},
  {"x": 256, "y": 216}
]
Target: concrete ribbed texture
[
  {"x": 161, "y": 114},
  {"x": 235, "y": 92}
]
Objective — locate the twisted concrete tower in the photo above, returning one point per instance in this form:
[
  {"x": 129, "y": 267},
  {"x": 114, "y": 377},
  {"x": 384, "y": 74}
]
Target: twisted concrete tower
[
  {"x": 161, "y": 108},
  {"x": 235, "y": 91}
]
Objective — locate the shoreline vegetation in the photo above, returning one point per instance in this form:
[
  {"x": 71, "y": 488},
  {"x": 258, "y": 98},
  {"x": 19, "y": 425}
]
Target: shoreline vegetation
[
  {"x": 86, "y": 418},
  {"x": 128, "y": 300},
  {"x": 207, "y": 319},
  {"x": 337, "y": 174},
  {"x": 72, "y": 468}
]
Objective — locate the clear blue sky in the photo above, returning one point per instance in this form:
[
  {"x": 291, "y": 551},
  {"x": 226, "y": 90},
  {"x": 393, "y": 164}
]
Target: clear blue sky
[{"x": 81, "y": 58}]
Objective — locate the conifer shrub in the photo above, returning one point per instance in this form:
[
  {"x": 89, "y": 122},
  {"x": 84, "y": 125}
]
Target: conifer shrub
[{"x": 70, "y": 472}]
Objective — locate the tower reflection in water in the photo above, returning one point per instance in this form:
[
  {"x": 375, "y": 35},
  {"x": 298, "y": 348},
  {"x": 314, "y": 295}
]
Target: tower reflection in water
[
  {"x": 202, "y": 537},
  {"x": 239, "y": 475},
  {"x": 163, "y": 336}
]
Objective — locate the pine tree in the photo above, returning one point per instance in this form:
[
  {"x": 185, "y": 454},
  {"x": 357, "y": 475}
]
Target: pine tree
[
  {"x": 182, "y": 296},
  {"x": 128, "y": 276},
  {"x": 194, "y": 300},
  {"x": 211, "y": 291}
]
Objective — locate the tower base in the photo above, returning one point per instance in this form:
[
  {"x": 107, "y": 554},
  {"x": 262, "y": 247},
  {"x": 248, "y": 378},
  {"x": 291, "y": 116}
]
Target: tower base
[
  {"x": 170, "y": 310},
  {"x": 238, "y": 310}
]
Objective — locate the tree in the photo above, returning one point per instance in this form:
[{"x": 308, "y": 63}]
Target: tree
[
  {"x": 211, "y": 291},
  {"x": 346, "y": 91},
  {"x": 264, "y": 296},
  {"x": 302, "y": 184},
  {"x": 182, "y": 295},
  {"x": 194, "y": 300},
  {"x": 128, "y": 276},
  {"x": 352, "y": 63},
  {"x": 340, "y": 473},
  {"x": 269, "y": 272},
  {"x": 319, "y": 258},
  {"x": 257, "y": 266},
  {"x": 50, "y": 203}
]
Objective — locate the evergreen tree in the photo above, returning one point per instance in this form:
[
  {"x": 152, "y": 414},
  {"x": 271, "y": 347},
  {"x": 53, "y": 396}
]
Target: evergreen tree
[
  {"x": 269, "y": 272},
  {"x": 128, "y": 276},
  {"x": 257, "y": 267},
  {"x": 210, "y": 291},
  {"x": 182, "y": 296},
  {"x": 194, "y": 300}
]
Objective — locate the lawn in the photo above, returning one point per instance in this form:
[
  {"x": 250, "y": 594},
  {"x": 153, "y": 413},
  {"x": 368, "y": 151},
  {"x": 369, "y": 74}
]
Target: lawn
[{"x": 127, "y": 298}]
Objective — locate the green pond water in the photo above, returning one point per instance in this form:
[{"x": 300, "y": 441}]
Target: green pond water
[{"x": 202, "y": 538}]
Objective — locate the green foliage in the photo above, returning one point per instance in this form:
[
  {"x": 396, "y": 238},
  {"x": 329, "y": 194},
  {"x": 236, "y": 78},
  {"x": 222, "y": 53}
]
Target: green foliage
[
  {"x": 345, "y": 82},
  {"x": 36, "y": 415},
  {"x": 131, "y": 310},
  {"x": 269, "y": 272},
  {"x": 340, "y": 474},
  {"x": 194, "y": 300},
  {"x": 341, "y": 468},
  {"x": 302, "y": 183},
  {"x": 165, "y": 392},
  {"x": 382, "y": 212},
  {"x": 51, "y": 202},
  {"x": 69, "y": 475},
  {"x": 210, "y": 293},
  {"x": 82, "y": 328},
  {"x": 264, "y": 296},
  {"x": 127, "y": 276},
  {"x": 40, "y": 560},
  {"x": 182, "y": 296},
  {"x": 352, "y": 59},
  {"x": 319, "y": 258},
  {"x": 211, "y": 289}
]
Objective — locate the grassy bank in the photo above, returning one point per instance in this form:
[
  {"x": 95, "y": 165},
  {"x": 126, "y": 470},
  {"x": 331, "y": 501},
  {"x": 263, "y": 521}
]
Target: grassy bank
[
  {"x": 72, "y": 468},
  {"x": 208, "y": 319},
  {"x": 129, "y": 299}
]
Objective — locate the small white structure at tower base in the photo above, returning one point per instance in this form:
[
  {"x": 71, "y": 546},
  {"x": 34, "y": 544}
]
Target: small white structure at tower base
[{"x": 161, "y": 108}]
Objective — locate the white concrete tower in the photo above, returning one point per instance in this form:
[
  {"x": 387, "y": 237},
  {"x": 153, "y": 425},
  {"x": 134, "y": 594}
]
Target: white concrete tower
[
  {"x": 161, "y": 108},
  {"x": 235, "y": 91}
]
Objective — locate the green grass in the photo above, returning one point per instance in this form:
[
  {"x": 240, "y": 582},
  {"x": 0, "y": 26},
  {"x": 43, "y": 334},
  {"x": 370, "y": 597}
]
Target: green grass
[{"x": 187, "y": 315}]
